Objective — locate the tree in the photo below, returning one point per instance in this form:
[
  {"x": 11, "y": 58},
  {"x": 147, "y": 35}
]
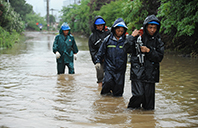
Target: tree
[
  {"x": 51, "y": 19},
  {"x": 9, "y": 19},
  {"x": 138, "y": 10},
  {"x": 77, "y": 16},
  {"x": 110, "y": 12},
  {"x": 180, "y": 24},
  {"x": 31, "y": 20},
  {"x": 21, "y": 7}
]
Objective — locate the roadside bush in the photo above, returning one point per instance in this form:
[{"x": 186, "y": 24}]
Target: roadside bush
[
  {"x": 9, "y": 19},
  {"x": 6, "y": 39}
]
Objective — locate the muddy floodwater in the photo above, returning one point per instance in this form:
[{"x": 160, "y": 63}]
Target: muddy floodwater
[{"x": 32, "y": 95}]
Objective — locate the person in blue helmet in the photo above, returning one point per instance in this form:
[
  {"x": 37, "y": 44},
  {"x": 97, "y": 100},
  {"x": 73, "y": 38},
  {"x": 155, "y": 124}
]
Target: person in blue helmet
[
  {"x": 115, "y": 60},
  {"x": 95, "y": 40},
  {"x": 65, "y": 47},
  {"x": 144, "y": 74}
]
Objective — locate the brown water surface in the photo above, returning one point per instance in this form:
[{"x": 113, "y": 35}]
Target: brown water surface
[{"x": 33, "y": 96}]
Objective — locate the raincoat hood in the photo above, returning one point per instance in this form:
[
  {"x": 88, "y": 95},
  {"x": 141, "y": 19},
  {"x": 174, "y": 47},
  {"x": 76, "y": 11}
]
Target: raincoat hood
[
  {"x": 94, "y": 26},
  {"x": 149, "y": 19},
  {"x": 119, "y": 23},
  {"x": 66, "y": 26}
]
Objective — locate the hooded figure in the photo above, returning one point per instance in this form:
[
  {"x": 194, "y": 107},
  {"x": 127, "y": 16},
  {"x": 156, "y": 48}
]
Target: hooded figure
[
  {"x": 95, "y": 40},
  {"x": 64, "y": 47},
  {"x": 144, "y": 76},
  {"x": 114, "y": 59}
]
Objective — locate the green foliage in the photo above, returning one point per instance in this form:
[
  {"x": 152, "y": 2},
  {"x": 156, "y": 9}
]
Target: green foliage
[
  {"x": 136, "y": 14},
  {"x": 21, "y": 7},
  {"x": 110, "y": 12},
  {"x": 179, "y": 19},
  {"x": 9, "y": 19},
  {"x": 32, "y": 19},
  {"x": 7, "y": 39},
  {"x": 77, "y": 16},
  {"x": 82, "y": 17},
  {"x": 51, "y": 19},
  {"x": 138, "y": 10},
  {"x": 179, "y": 14}
]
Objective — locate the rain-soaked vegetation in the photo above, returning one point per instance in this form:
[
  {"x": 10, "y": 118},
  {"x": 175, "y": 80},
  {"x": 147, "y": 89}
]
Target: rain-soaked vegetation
[
  {"x": 15, "y": 17},
  {"x": 179, "y": 19}
]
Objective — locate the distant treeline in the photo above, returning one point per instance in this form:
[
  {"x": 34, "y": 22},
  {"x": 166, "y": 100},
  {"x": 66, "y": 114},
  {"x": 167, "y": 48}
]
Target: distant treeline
[{"x": 179, "y": 18}]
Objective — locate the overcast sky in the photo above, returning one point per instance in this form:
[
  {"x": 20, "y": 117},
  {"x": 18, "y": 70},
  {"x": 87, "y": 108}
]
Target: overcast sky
[{"x": 40, "y": 6}]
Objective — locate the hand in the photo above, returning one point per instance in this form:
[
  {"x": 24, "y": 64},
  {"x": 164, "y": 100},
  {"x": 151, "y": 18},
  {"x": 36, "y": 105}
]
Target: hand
[
  {"x": 58, "y": 55},
  {"x": 144, "y": 49},
  {"x": 98, "y": 66},
  {"x": 135, "y": 33},
  {"x": 75, "y": 56}
]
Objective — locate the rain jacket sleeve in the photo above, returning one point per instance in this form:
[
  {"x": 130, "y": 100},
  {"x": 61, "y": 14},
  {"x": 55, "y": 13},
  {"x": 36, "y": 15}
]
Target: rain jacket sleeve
[
  {"x": 156, "y": 54},
  {"x": 55, "y": 44},
  {"x": 92, "y": 50},
  {"x": 102, "y": 51},
  {"x": 129, "y": 44},
  {"x": 75, "y": 48}
]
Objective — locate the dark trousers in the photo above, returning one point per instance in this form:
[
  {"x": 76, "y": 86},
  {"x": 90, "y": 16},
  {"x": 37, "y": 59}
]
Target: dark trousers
[
  {"x": 113, "y": 83},
  {"x": 142, "y": 94},
  {"x": 61, "y": 68}
]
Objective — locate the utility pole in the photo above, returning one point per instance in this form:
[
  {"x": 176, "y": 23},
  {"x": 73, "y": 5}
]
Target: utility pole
[
  {"x": 52, "y": 12},
  {"x": 47, "y": 15}
]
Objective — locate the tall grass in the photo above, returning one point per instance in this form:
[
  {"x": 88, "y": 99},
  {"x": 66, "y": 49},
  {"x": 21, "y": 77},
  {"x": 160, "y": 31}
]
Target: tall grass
[{"x": 8, "y": 39}]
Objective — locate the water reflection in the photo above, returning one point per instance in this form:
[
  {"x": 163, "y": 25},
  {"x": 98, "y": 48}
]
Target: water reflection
[
  {"x": 143, "y": 119},
  {"x": 176, "y": 95},
  {"x": 63, "y": 101}
]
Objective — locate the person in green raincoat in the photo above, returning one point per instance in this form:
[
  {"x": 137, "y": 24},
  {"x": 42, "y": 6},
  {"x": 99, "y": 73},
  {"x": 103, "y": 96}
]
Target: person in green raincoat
[{"x": 65, "y": 48}]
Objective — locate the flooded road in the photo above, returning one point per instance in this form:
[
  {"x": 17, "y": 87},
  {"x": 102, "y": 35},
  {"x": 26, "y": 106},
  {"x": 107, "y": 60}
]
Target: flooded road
[{"x": 33, "y": 96}]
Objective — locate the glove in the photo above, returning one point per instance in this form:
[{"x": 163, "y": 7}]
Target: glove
[
  {"x": 75, "y": 56},
  {"x": 98, "y": 66},
  {"x": 58, "y": 55}
]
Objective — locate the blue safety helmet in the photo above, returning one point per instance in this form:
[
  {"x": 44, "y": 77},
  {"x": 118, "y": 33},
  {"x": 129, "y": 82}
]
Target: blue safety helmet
[
  {"x": 65, "y": 26},
  {"x": 153, "y": 22},
  {"x": 99, "y": 21},
  {"x": 121, "y": 24}
]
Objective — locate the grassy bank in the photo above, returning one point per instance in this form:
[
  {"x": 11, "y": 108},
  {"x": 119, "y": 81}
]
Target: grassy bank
[{"x": 8, "y": 39}]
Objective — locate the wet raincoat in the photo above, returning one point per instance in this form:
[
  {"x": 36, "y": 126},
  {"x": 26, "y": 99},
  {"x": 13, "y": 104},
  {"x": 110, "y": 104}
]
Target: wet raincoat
[
  {"x": 150, "y": 71},
  {"x": 96, "y": 39},
  {"x": 114, "y": 61},
  {"x": 144, "y": 77},
  {"x": 67, "y": 47}
]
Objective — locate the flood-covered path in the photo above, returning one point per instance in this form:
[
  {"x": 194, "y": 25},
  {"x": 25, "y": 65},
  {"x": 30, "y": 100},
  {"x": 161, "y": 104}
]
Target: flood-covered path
[{"x": 33, "y": 96}]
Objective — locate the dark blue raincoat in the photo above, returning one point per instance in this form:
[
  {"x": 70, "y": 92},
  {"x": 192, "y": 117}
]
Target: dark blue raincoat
[{"x": 114, "y": 61}]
